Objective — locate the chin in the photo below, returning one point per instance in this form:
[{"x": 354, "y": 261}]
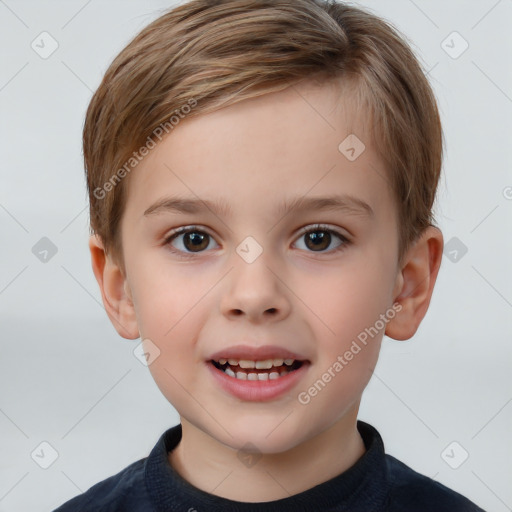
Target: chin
[{"x": 265, "y": 437}]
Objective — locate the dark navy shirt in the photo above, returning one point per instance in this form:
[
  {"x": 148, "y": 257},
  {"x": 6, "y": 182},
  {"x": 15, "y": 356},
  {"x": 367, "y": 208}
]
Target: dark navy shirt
[{"x": 377, "y": 482}]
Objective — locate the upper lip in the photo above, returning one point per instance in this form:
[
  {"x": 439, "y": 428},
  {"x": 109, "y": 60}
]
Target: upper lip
[{"x": 253, "y": 353}]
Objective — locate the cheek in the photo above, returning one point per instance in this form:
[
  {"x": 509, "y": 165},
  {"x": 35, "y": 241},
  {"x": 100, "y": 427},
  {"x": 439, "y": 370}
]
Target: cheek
[
  {"x": 173, "y": 334},
  {"x": 171, "y": 306},
  {"x": 348, "y": 300},
  {"x": 163, "y": 294},
  {"x": 350, "y": 332}
]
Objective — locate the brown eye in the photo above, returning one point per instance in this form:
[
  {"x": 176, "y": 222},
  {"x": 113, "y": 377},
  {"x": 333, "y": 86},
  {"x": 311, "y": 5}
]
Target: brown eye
[
  {"x": 195, "y": 241},
  {"x": 189, "y": 240},
  {"x": 319, "y": 238}
]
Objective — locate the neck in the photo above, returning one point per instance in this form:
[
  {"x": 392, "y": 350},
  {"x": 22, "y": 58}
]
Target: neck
[{"x": 216, "y": 469}]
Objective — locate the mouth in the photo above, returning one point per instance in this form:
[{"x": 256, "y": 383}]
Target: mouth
[
  {"x": 257, "y": 370},
  {"x": 257, "y": 373}
]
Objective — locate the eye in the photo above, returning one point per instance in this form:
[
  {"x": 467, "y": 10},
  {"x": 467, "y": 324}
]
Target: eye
[
  {"x": 194, "y": 240},
  {"x": 319, "y": 237},
  {"x": 188, "y": 240}
]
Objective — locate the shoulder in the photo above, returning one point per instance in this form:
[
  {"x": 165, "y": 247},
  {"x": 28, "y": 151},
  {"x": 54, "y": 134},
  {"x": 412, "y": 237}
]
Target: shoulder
[
  {"x": 410, "y": 490},
  {"x": 124, "y": 491}
]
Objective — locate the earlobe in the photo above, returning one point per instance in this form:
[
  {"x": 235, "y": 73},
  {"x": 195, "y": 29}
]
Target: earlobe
[
  {"x": 115, "y": 290},
  {"x": 415, "y": 284}
]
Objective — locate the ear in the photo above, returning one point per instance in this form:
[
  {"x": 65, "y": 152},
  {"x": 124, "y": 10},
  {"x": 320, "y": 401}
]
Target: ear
[
  {"x": 115, "y": 290},
  {"x": 415, "y": 284}
]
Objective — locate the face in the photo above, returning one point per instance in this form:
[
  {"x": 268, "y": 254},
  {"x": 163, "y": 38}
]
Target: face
[{"x": 250, "y": 278}]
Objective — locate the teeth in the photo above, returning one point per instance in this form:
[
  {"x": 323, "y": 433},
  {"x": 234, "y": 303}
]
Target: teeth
[
  {"x": 259, "y": 365},
  {"x": 276, "y": 368},
  {"x": 257, "y": 376},
  {"x": 264, "y": 365}
]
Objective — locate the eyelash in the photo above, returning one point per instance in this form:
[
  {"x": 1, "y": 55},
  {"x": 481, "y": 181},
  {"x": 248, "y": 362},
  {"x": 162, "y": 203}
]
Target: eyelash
[{"x": 308, "y": 229}]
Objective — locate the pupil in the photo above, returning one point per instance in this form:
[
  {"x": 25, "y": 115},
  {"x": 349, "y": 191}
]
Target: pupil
[
  {"x": 319, "y": 239},
  {"x": 196, "y": 239}
]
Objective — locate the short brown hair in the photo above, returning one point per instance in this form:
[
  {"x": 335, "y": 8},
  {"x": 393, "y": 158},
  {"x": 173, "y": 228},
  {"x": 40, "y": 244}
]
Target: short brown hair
[{"x": 210, "y": 54}]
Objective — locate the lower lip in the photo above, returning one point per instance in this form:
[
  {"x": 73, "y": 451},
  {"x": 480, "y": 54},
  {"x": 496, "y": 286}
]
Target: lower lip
[{"x": 258, "y": 390}]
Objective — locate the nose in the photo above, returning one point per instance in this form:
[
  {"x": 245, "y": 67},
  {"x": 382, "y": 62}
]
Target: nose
[{"x": 256, "y": 291}]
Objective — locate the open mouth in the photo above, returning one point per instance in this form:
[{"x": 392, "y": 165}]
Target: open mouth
[{"x": 269, "y": 369}]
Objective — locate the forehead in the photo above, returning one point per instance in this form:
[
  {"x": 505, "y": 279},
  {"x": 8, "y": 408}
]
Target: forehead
[{"x": 308, "y": 139}]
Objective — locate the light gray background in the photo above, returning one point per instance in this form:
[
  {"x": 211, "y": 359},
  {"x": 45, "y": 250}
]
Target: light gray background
[{"x": 67, "y": 378}]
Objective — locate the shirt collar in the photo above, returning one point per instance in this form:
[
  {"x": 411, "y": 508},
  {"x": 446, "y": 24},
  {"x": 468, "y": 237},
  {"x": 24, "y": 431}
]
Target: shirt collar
[{"x": 361, "y": 487}]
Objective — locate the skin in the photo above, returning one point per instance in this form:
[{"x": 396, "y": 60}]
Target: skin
[{"x": 254, "y": 155}]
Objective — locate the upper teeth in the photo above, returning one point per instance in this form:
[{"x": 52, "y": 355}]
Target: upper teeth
[{"x": 259, "y": 365}]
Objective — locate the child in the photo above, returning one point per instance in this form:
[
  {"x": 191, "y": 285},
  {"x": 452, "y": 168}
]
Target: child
[{"x": 261, "y": 176}]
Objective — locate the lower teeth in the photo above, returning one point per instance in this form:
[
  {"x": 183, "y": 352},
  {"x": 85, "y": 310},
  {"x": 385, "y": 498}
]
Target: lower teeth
[{"x": 256, "y": 376}]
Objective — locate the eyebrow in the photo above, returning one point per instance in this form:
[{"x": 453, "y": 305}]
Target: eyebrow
[{"x": 343, "y": 203}]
